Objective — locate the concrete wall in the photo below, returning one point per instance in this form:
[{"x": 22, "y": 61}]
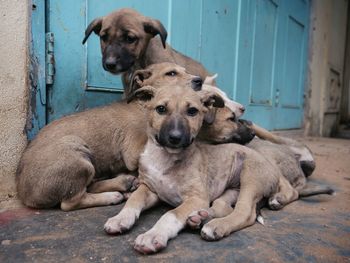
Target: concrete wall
[
  {"x": 326, "y": 66},
  {"x": 13, "y": 91}
]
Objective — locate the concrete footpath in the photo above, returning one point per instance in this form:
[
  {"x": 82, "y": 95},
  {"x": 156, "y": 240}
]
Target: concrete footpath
[{"x": 315, "y": 229}]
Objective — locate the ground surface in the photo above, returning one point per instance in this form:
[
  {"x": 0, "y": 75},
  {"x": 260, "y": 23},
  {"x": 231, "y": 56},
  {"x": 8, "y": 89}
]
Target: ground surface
[{"x": 315, "y": 229}]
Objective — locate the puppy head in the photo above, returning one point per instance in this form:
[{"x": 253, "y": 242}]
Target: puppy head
[
  {"x": 124, "y": 36},
  {"x": 236, "y": 108},
  {"x": 226, "y": 128},
  {"x": 161, "y": 74},
  {"x": 176, "y": 114}
]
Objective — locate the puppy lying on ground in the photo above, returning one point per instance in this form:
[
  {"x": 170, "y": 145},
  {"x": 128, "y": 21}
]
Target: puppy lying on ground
[
  {"x": 69, "y": 154},
  {"x": 189, "y": 175},
  {"x": 77, "y": 151}
]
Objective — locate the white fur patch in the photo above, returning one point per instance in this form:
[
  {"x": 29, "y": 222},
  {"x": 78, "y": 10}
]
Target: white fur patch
[
  {"x": 274, "y": 202},
  {"x": 260, "y": 220},
  {"x": 305, "y": 154},
  {"x": 156, "y": 161},
  {"x": 168, "y": 224},
  {"x": 123, "y": 221},
  {"x": 232, "y": 105},
  {"x": 208, "y": 232}
]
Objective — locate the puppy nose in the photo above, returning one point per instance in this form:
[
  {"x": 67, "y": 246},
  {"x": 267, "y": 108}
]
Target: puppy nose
[
  {"x": 197, "y": 83},
  {"x": 111, "y": 63},
  {"x": 175, "y": 136},
  {"x": 242, "y": 109}
]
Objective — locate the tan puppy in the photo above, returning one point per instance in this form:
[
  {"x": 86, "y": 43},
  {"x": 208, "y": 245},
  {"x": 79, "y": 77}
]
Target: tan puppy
[
  {"x": 69, "y": 154},
  {"x": 190, "y": 175},
  {"x": 128, "y": 43}
]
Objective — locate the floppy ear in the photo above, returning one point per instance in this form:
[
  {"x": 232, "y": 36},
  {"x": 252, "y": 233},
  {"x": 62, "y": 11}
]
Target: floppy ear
[
  {"x": 209, "y": 117},
  {"x": 155, "y": 27},
  {"x": 144, "y": 94},
  {"x": 210, "y": 80},
  {"x": 212, "y": 99},
  {"x": 95, "y": 26},
  {"x": 138, "y": 78}
]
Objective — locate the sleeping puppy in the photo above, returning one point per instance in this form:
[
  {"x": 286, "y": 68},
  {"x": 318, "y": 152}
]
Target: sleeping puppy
[{"x": 189, "y": 175}]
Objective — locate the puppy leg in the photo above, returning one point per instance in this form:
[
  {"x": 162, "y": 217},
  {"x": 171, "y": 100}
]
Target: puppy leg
[
  {"x": 142, "y": 199},
  {"x": 121, "y": 183},
  {"x": 284, "y": 196},
  {"x": 243, "y": 215},
  {"x": 85, "y": 200},
  {"x": 168, "y": 226},
  {"x": 220, "y": 207}
]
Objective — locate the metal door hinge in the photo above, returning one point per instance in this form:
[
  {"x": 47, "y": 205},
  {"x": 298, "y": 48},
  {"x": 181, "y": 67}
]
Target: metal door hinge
[{"x": 50, "y": 58}]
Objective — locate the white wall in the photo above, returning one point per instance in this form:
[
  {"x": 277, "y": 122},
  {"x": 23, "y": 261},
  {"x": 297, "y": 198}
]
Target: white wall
[{"x": 13, "y": 91}]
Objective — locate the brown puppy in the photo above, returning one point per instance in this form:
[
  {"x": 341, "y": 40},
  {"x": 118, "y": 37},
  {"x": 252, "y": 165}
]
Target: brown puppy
[
  {"x": 69, "y": 154},
  {"x": 128, "y": 43},
  {"x": 190, "y": 175}
]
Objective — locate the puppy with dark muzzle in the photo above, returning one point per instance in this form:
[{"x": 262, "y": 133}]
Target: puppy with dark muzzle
[
  {"x": 66, "y": 162},
  {"x": 189, "y": 175},
  {"x": 128, "y": 43}
]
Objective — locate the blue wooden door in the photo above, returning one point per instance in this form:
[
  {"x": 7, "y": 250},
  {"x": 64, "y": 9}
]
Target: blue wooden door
[
  {"x": 272, "y": 57},
  {"x": 256, "y": 46}
]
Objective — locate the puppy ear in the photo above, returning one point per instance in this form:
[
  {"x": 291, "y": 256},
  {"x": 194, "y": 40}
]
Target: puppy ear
[
  {"x": 210, "y": 80},
  {"x": 209, "y": 117},
  {"x": 138, "y": 78},
  {"x": 155, "y": 27},
  {"x": 212, "y": 99},
  {"x": 143, "y": 94},
  {"x": 95, "y": 26}
]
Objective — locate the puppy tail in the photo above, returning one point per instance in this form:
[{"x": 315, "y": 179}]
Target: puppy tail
[
  {"x": 316, "y": 190},
  {"x": 266, "y": 135}
]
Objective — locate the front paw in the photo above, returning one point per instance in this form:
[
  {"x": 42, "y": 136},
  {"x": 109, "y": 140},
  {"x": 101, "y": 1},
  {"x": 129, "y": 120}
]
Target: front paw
[
  {"x": 150, "y": 242},
  {"x": 213, "y": 231},
  {"x": 197, "y": 218},
  {"x": 120, "y": 223}
]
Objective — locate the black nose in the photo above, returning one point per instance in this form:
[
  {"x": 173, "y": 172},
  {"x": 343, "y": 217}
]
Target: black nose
[
  {"x": 110, "y": 63},
  {"x": 242, "y": 109},
  {"x": 197, "y": 83},
  {"x": 175, "y": 136}
]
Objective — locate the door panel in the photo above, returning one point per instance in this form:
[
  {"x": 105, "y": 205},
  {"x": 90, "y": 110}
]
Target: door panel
[
  {"x": 258, "y": 48},
  {"x": 290, "y": 81},
  {"x": 262, "y": 64}
]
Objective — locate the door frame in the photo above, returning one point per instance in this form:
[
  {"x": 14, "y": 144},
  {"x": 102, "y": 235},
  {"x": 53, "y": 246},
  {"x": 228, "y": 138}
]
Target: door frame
[{"x": 37, "y": 69}]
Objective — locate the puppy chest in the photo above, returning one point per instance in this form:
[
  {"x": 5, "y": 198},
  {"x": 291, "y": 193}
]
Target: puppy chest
[{"x": 163, "y": 184}]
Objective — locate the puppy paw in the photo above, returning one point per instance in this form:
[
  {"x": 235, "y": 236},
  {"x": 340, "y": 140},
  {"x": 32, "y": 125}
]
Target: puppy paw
[
  {"x": 197, "y": 218},
  {"x": 121, "y": 222},
  {"x": 130, "y": 183},
  {"x": 213, "y": 231},
  {"x": 150, "y": 242},
  {"x": 275, "y": 204},
  {"x": 113, "y": 198}
]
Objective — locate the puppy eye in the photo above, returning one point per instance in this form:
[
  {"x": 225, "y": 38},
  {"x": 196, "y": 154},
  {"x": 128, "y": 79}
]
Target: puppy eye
[
  {"x": 192, "y": 111},
  {"x": 233, "y": 118},
  {"x": 130, "y": 39},
  {"x": 161, "y": 109},
  {"x": 171, "y": 73}
]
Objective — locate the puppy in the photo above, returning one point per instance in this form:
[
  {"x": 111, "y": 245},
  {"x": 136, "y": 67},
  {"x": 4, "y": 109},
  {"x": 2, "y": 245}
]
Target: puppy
[
  {"x": 189, "y": 175},
  {"x": 128, "y": 43},
  {"x": 71, "y": 153}
]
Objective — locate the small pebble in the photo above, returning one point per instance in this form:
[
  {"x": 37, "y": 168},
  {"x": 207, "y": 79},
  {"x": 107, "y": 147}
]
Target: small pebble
[{"x": 6, "y": 242}]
